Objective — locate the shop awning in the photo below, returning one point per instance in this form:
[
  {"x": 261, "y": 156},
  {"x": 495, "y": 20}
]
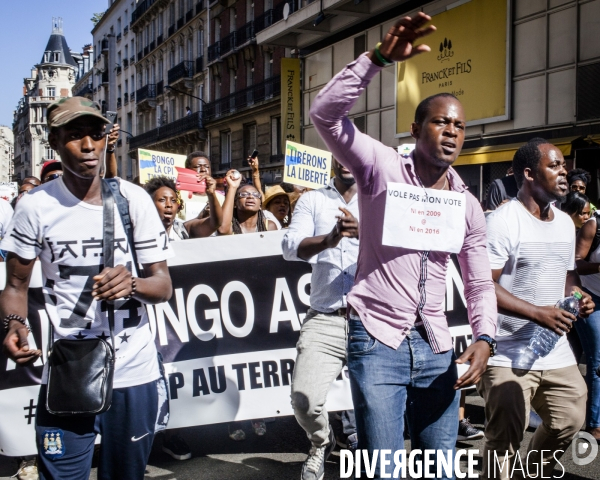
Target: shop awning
[{"x": 504, "y": 153}]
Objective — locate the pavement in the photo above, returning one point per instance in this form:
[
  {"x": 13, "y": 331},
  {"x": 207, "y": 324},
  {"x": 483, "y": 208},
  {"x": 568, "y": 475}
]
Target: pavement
[{"x": 280, "y": 453}]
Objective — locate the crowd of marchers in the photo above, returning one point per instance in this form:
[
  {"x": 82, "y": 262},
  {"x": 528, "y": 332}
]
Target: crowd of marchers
[{"x": 530, "y": 262}]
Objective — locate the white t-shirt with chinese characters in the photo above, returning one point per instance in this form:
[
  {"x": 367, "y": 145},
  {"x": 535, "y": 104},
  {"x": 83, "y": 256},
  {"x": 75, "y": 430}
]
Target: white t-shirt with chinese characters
[
  {"x": 535, "y": 257},
  {"x": 67, "y": 234},
  {"x": 6, "y": 213}
]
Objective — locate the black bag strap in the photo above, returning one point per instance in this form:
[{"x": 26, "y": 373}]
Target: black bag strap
[
  {"x": 123, "y": 208},
  {"x": 596, "y": 240},
  {"x": 108, "y": 247}
]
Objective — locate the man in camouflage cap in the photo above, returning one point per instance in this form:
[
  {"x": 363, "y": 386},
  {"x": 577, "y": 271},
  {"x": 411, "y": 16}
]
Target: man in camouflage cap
[{"x": 61, "y": 222}]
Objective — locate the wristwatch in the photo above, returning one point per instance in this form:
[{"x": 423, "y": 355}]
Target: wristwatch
[{"x": 490, "y": 341}]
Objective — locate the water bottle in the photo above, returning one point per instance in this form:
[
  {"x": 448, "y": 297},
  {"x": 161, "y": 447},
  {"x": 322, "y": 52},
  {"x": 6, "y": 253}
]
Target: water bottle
[{"x": 544, "y": 340}]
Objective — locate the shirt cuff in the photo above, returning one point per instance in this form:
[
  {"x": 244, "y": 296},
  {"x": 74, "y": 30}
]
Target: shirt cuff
[{"x": 364, "y": 68}]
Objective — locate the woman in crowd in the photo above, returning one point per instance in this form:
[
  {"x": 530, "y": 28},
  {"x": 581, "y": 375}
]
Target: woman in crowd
[
  {"x": 577, "y": 206},
  {"x": 578, "y": 179},
  {"x": 587, "y": 256},
  {"x": 167, "y": 200},
  {"x": 242, "y": 213},
  {"x": 277, "y": 203},
  {"x": 242, "y": 210}
]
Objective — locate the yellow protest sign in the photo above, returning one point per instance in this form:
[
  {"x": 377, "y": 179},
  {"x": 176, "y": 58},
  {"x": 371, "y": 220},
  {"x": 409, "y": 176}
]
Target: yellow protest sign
[
  {"x": 468, "y": 58},
  {"x": 156, "y": 164},
  {"x": 306, "y": 166}
]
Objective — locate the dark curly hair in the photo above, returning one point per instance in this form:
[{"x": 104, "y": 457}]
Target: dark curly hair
[
  {"x": 579, "y": 174},
  {"x": 191, "y": 156},
  {"x": 423, "y": 107},
  {"x": 528, "y": 156},
  {"x": 155, "y": 183}
]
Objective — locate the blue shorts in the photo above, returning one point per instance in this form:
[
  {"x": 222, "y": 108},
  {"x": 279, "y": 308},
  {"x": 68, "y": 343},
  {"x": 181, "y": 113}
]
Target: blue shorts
[{"x": 66, "y": 444}]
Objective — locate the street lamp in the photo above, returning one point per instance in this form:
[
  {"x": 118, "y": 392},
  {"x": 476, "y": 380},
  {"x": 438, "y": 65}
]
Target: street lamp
[{"x": 168, "y": 87}]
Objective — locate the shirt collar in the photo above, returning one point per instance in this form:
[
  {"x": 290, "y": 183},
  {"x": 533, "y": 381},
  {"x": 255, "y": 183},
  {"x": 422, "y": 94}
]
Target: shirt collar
[{"x": 455, "y": 182}]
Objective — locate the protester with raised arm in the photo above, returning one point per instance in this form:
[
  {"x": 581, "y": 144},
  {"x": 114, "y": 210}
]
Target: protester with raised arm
[{"x": 400, "y": 351}]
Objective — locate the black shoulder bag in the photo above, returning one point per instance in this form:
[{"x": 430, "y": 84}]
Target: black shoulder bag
[{"x": 80, "y": 372}]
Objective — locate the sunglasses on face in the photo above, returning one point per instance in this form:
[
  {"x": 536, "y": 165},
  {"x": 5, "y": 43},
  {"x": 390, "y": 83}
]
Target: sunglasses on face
[{"x": 249, "y": 194}]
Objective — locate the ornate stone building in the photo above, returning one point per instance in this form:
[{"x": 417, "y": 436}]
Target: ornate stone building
[
  {"x": 6, "y": 154},
  {"x": 50, "y": 80}
]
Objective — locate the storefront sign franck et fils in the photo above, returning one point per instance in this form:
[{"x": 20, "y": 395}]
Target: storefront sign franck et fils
[
  {"x": 290, "y": 100},
  {"x": 227, "y": 336},
  {"x": 468, "y": 59}
]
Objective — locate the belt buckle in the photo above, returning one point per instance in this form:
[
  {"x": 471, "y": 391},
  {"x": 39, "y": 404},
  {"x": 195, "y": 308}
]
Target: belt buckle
[{"x": 342, "y": 312}]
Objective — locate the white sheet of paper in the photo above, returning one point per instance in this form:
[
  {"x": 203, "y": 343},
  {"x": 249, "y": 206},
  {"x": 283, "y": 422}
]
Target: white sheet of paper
[{"x": 420, "y": 218}]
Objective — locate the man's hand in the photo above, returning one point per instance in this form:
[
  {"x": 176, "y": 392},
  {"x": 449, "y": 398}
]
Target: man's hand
[
  {"x": 554, "y": 319},
  {"x": 477, "y": 354},
  {"x": 586, "y": 304},
  {"x": 211, "y": 183},
  {"x": 253, "y": 162},
  {"x": 397, "y": 45},
  {"x": 346, "y": 226},
  {"x": 113, "y": 136},
  {"x": 16, "y": 345},
  {"x": 113, "y": 283}
]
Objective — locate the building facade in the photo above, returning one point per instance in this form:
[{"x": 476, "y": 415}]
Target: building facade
[
  {"x": 553, "y": 65},
  {"x": 50, "y": 80},
  {"x": 113, "y": 76},
  {"x": 6, "y": 154},
  {"x": 84, "y": 85}
]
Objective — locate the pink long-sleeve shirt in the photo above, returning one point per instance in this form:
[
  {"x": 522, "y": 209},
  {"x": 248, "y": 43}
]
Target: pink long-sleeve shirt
[{"x": 386, "y": 292}]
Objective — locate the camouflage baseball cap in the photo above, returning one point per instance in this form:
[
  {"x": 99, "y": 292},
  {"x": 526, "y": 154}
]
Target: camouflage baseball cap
[{"x": 68, "y": 109}]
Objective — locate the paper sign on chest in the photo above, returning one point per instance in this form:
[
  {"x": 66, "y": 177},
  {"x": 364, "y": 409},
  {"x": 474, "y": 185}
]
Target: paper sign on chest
[{"x": 422, "y": 219}]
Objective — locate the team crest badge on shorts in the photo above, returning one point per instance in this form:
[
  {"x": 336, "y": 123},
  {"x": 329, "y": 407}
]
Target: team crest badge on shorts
[{"x": 54, "y": 446}]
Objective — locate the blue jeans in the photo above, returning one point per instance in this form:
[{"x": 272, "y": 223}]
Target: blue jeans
[
  {"x": 588, "y": 330},
  {"x": 388, "y": 383}
]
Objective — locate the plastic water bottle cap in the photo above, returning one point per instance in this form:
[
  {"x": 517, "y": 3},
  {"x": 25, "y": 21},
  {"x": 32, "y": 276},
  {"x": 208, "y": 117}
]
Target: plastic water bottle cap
[{"x": 578, "y": 295}]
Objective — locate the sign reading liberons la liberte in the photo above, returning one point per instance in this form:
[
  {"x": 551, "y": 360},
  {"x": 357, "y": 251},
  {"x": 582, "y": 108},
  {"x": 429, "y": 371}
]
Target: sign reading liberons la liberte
[{"x": 468, "y": 58}]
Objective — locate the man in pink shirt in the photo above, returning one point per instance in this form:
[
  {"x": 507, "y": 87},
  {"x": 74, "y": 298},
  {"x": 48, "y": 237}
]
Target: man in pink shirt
[{"x": 400, "y": 351}]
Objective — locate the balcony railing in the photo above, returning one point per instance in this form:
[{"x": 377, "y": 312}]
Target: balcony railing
[
  {"x": 119, "y": 103},
  {"x": 147, "y": 91},
  {"x": 245, "y": 34},
  {"x": 132, "y": 59},
  {"x": 214, "y": 51},
  {"x": 183, "y": 70},
  {"x": 125, "y": 98},
  {"x": 83, "y": 91},
  {"x": 199, "y": 64},
  {"x": 105, "y": 45},
  {"x": 170, "y": 130},
  {"x": 263, "y": 21},
  {"x": 189, "y": 15},
  {"x": 228, "y": 43},
  {"x": 160, "y": 88},
  {"x": 132, "y": 96},
  {"x": 199, "y": 6},
  {"x": 126, "y": 30},
  {"x": 244, "y": 98},
  {"x": 125, "y": 62},
  {"x": 180, "y": 23},
  {"x": 119, "y": 36},
  {"x": 141, "y": 9},
  {"x": 171, "y": 30},
  {"x": 118, "y": 69}
]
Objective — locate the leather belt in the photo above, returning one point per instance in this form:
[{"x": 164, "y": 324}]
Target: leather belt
[{"x": 341, "y": 312}]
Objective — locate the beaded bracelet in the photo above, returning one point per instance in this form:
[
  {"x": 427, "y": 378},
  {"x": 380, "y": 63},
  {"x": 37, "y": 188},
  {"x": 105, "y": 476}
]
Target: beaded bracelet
[
  {"x": 16, "y": 317},
  {"x": 380, "y": 56},
  {"x": 133, "y": 287}
]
